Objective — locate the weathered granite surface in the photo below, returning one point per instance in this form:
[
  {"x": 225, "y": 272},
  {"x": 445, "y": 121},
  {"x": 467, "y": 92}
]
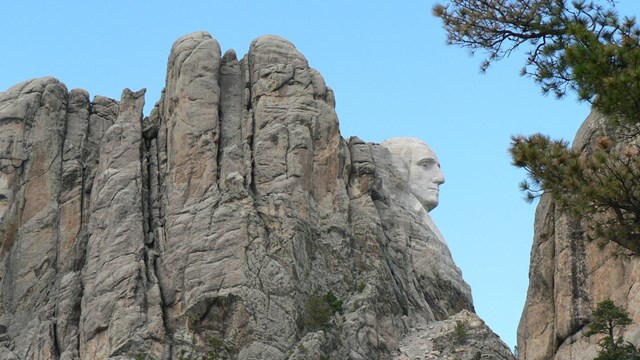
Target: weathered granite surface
[
  {"x": 569, "y": 276},
  {"x": 203, "y": 230},
  {"x": 463, "y": 336}
]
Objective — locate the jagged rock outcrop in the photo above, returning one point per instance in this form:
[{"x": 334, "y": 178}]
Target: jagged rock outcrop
[
  {"x": 206, "y": 229},
  {"x": 569, "y": 276},
  {"x": 463, "y": 336}
]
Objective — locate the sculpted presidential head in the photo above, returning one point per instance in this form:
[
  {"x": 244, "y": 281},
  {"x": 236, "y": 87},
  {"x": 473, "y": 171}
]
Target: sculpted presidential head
[{"x": 421, "y": 168}]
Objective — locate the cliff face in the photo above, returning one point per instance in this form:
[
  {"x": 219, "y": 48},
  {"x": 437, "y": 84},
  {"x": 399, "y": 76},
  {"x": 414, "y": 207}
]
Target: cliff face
[
  {"x": 210, "y": 227},
  {"x": 569, "y": 276}
]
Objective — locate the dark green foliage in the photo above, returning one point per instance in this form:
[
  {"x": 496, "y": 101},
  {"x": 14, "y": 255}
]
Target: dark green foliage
[
  {"x": 333, "y": 302},
  {"x": 571, "y": 45},
  {"x": 217, "y": 349},
  {"x": 320, "y": 309},
  {"x": 618, "y": 351},
  {"x": 460, "y": 330},
  {"x": 605, "y": 67},
  {"x": 602, "y": 185},
  {"x": 607, "y": 319},
  {"x": 582, "y": 46},
  {"x": 318, "y": 312}
]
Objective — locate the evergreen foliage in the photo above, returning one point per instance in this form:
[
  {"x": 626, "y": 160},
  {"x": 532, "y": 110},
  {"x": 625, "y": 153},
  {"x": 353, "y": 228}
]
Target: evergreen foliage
[
  {"x": 607, "y": 319},
  {"x": 461, "y": 330},
  {"x": 572, "y": 45},
  {"x": 318, "y": 312},
  {"x": 320, "y": 309},
  {"x": 334, "y": 303},
  {"x": 602, "y": 186},
  {"x": 582, "y": 46}
]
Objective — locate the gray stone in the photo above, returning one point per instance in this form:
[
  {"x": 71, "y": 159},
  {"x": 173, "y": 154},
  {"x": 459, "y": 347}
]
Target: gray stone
[
  {"x": 32, "y": 116},
  {"x": 206, "y": 228},
  {"x": 463, "y": 336},
  {"x": 569, "y": 276}
]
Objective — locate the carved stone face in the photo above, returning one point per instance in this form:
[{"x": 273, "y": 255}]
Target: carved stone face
[{"x": 424, "y": 175}]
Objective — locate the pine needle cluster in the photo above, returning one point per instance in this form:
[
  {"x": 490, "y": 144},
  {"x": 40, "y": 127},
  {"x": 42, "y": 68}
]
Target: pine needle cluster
[
  {"x": 609, "y": 320},
  {"x": 601, "y": 185},
  {"x": 581, "y": 46},
  {"x": 320, "y": 309}
]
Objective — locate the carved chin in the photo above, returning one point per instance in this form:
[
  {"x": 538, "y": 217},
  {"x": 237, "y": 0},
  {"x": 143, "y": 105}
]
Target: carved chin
[{"x": 429, "y": 203}]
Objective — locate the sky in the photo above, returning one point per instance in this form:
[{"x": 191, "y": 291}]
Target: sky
[{"x": 392, "y": 75}]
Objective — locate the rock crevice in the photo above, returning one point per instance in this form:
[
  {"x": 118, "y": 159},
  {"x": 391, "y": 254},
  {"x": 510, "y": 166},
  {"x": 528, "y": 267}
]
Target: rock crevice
[
  {"x": 569, "y": 276},
  {"x": 208, "y": 228}
]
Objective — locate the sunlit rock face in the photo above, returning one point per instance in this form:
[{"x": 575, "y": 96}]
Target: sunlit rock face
[
  {"x": 420, "y": 178},
  {"x": 421, "y": 167},
  {"x": 570, "y": 275},
  {"x": 208, "y": 227},
  {"x": 463, "y": 336}
]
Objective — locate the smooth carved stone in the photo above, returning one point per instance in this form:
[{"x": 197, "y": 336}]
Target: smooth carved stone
[
  {"x": 420, "y": 165},
  {"x": 416, "y": 162},
  {"x": 415, "y": 172},
  {"x": 208, "y": 226}
]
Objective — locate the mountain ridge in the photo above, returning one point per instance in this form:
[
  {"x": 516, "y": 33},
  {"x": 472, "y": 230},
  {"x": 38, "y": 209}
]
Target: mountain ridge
[{"x": 207, "y": 228}]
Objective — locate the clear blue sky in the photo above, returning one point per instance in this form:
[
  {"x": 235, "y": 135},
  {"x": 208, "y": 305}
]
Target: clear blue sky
[{"x": 392, "y": 75}]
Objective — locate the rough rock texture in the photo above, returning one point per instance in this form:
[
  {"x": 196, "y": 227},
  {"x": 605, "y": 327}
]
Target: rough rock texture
[
  {"x": 569, "y": 276},
  {"x": 205, "y": 229},
  {"x": 463, "y": 336}
]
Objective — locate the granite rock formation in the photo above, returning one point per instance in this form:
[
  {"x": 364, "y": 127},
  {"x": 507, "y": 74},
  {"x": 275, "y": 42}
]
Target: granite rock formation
[
  {"x": 463, "y": 336},
  {"x": 207, "y": 229},
  {"x": 569, "y": 276}
]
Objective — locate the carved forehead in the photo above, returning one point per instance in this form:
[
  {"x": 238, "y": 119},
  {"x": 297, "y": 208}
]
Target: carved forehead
[{"x": 410, "y": 149}]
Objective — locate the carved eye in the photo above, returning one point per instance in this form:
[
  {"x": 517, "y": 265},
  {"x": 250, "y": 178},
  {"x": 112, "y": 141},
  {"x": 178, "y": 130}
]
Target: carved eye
[{"x": 428, "y": 163}]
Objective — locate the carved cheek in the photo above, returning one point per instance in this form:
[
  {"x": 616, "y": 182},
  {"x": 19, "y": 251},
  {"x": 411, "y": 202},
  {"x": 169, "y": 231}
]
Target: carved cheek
[{"x": 418, "y": 175}]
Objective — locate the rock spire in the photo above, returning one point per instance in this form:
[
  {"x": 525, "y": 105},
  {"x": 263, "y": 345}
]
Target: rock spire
[{"x": 211, "y": 227}]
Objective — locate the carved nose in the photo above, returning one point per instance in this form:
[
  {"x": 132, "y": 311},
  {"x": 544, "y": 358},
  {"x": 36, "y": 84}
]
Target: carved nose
[{"x": 439, "y": 178}]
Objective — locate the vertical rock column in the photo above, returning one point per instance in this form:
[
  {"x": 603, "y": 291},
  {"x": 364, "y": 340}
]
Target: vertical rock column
[
  {"x": 32, "y": 121},
  {"x": 86, "y": 125},
  {"x": 48, "y": 152},
  {"x": 117, "y": 312},
  {"x": 198, "y": 261},
  {"x": 71, "y": 192},
  {"x": 72, "y": 196},
  {"x": 234, "y": 132}
]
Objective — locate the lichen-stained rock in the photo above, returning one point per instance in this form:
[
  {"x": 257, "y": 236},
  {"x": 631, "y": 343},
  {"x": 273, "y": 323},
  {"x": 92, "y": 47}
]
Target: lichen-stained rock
[
  {"x": 570, "y": 275},
  {"x": 209, "y": 228}
]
